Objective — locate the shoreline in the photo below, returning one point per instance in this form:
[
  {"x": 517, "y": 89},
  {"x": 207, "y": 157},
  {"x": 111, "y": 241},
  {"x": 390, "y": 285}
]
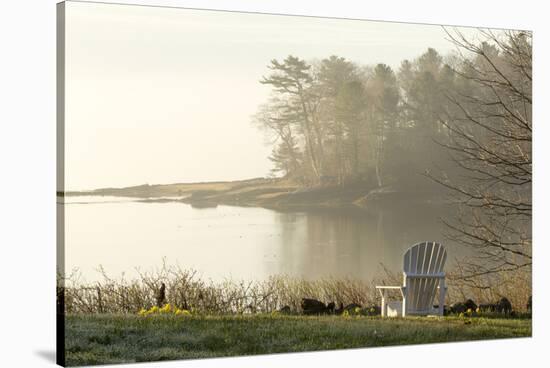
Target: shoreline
[{"x": 276, "y": 194}]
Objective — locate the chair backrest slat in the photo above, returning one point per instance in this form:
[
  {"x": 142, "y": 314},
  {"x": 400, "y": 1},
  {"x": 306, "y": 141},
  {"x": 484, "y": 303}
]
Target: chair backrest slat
[{"x": 426, "y": 258}]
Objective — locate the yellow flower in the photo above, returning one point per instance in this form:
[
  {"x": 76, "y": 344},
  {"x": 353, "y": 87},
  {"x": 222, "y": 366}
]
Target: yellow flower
[
  {"x": 346, "y": 313},
  {"x": 469, "y": 311},
  {"x": 478, "y": 311},
  {"x": 357, "y": 310},
  {"x": 461, "y": 315},
  {"x": 166, "y": 309},
  {"x": 142, "y": 312},
  {"x": 154, "y": 309}
]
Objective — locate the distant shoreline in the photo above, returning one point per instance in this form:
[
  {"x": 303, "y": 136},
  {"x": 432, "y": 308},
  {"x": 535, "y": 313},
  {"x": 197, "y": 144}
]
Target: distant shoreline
[{"x": 277, "y": 193}]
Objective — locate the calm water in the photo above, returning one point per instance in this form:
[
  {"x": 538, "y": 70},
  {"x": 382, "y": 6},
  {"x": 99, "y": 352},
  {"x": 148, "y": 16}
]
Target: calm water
[{"x": 239, "y": 242}]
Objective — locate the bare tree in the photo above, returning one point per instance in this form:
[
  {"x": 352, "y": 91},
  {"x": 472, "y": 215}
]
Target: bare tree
[{"x": 490, "y": 128}]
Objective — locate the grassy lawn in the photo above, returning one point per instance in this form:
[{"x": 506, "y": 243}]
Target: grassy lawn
[{"x": 105, "y": 339}]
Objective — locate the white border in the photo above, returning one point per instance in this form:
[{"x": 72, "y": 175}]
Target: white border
[{"x": 27, "y": 151}]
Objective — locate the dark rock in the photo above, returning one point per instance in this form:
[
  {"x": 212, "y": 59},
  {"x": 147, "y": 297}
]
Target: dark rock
[
  {"x": 463, "y": 307},
  {"x": 373, "y": 310},
  {"x": 469, "y": 304},
  {"x": 313, "y": 306},
  {"x": 504, "y": 306},
  {"x": 488, "y": 307},
  {"x": 285, "y": 310},
  {"x": 457, "y": 308}
]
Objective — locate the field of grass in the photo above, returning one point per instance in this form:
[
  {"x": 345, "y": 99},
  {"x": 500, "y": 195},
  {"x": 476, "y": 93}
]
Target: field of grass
[{"x": 109, "y": 339}]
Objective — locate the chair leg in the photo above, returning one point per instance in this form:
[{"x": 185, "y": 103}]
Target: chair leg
[
  {"x": 442, "y": 291},
  {"x": 383, "y": 307}
]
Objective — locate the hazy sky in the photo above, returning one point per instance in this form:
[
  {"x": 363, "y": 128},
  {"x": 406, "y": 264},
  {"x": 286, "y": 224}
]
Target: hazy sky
[{"x": 161, "y": 95}]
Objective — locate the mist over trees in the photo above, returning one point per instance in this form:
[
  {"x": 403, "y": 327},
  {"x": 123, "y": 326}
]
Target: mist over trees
[
  {"x": 336, "y": 122},
  {"x": 460, "y": 122}
]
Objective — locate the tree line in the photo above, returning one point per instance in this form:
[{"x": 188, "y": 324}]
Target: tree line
[{"x": 338, "y": 122}]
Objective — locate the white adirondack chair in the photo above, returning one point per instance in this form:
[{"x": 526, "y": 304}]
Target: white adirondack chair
[{"x": 422, "y": 276}]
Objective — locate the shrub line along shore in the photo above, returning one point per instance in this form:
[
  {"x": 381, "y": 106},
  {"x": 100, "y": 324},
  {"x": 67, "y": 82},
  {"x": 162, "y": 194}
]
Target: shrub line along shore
[{"x": 183, "y": 289}]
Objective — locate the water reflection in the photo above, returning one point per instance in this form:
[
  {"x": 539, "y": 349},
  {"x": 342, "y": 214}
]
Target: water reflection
[
  {"x": 353, "y": 243},
  {"x": 240, "y": 242}
]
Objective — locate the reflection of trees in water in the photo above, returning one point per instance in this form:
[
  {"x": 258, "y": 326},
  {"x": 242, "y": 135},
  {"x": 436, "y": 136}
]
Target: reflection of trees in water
[
  {"x": 353, "y": 243},
  {"x": 291, "y": 230}
]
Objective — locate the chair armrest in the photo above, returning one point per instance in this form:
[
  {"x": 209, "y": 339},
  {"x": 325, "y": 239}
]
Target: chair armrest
[{"x": 383, "y": 287}]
